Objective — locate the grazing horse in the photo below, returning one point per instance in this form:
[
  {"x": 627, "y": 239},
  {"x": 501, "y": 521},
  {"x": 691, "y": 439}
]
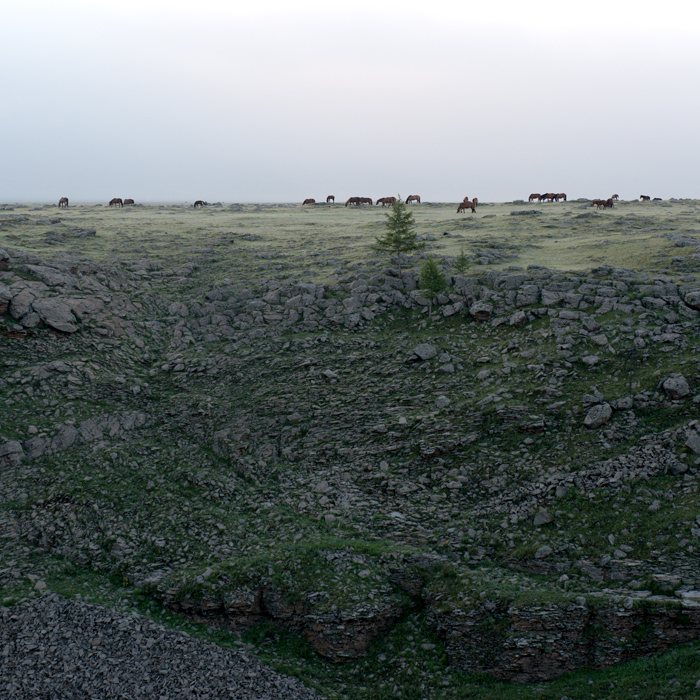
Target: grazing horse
[
  {"x": 561, "y": 195},
  {"x": 116, "y": 202},
  {"x": 365, "y": 200},
  {"x": 353, "y": 200},
  {"x": 549, "y": 197},
  {"x": 386, "y": 201},
  {"x": 537, "y": 196},
  {"x": 645, "y": 198},
  {"x": 199, "y": 204},
  {"x": 330, "y": 198},
  {"x": 602, "y": 203},
  {"x": 466, "y": 205},
  {"x": 129, "y": 201},
  {"x": 413, "y": 198},
  {"x": 615, "y": 197},
  {"x": 63, "y": 203},
  {"x": 308, "y": 201}
]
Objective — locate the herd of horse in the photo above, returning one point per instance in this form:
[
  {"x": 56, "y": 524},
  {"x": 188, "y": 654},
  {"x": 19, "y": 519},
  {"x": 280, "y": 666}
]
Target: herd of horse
[
  {"x": 414, "y": 198},
  {"x": 547, "y": 197}
]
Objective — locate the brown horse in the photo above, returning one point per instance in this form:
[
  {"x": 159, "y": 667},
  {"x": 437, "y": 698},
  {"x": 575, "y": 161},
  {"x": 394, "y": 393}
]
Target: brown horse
[
  {"x": 413, "y": 198},
  {"x": 560, "y": 196},
  {"x": 308, "y": 201},
  {"x": 330, "y": 198},
  {"x": 645, "y": 198},
  {"x": 63, "y": 203},
  {"x": 466, "y": 205},
  {"x": 199, "y": 204},
  {"x": 602, "y": 203},
  {"x": 475, "y": 201},
  {"x": 365, "y": 200},
  {"x": 386, "y": 201},
  {"x": 537, "y": 196},
  {"x": 615, "y": 197},
  {"x": 353, "y": 200},
  {"x": 129, "y": 201},
  {"x": 549, "y": 197},
  {"x": 116, "y": 202}
]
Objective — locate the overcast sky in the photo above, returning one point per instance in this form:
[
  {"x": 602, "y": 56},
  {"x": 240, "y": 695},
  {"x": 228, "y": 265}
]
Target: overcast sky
[{"x": 278, "y": 101}]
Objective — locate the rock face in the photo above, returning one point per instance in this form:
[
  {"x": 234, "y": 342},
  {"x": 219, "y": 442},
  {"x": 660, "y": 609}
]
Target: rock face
[{"x": 541, "y": 643}]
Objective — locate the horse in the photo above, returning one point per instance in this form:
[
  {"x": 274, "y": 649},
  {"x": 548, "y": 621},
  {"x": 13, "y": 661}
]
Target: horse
[
  {"x": 63, "y": 203},
  {"x": 656, "y": 199},
  {"x": 116, "y": 202},
  {"x": 534, "y": 197},
  {"x": 308, "y": 201},
  {"x": 561, "y": 195},
  {"x": 365, "y": 200},
  {"x": 608, "y": 204},
  {"x": 129, "y": 201},
  {"x": 330, "y": 198},
  {"x": 602, "y": 203},
  {"x": 353, "y": 200},
  {"x": 645, "y": 198},
  {"x": 475, "y": 201},
  {"x": 615, "y": 197},
  {"x": 386, "y": 201},
  {"x": 199, "y": 204},
  {"x": 413, "y": 198},
  {"x": 549, "y": 197},
  {"x": 466, "y": 205}
]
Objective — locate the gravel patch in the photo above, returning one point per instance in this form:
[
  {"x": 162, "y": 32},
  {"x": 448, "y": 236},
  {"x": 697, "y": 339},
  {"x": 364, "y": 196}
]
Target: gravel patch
[{"x": 54, "y": 648}]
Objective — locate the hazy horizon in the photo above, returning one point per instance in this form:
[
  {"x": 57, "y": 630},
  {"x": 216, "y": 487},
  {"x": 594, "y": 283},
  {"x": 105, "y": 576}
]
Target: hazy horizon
[{"x": 173, "y": 102}]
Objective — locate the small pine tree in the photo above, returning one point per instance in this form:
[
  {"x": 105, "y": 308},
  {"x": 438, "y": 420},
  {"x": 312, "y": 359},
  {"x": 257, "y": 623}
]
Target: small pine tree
[
  {"x": 400, "y": 236},
  {"x": 461, "y": 262},
  {"x": 432, "y": 281}
]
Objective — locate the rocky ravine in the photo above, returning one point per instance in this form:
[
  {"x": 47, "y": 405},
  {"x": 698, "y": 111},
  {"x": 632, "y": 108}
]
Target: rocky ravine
[{"x": 523, "y": 468}]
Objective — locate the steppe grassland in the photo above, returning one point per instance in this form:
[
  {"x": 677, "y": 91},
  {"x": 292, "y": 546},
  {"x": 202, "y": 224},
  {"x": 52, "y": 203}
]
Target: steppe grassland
[{"x": 311, "y": 241}]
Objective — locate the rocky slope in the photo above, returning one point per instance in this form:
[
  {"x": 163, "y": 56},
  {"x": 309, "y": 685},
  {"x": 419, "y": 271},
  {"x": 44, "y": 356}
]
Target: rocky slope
[{"x": 522, "y": 468}]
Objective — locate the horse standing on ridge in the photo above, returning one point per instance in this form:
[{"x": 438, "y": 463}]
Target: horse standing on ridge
[
  {"x": 466, "y": 205},
  {"x": 330, "y": 198},
  {"x": 116, "y": 202},
  {"x": 63, "y": 203},
  {"x": 413, "y": 198},
  {"x": 129, "y": 201},
  {"x": 308, "y": 201}
]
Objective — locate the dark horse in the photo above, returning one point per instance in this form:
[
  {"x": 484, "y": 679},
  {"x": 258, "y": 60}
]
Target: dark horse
[
  {"x": 366, "y": 200},
  {"x": 129, "y": 201},
  {"x": 63, "y": 203},
  {"x": 308, "y": 201},
  {"x": 413, "y": 198},
  {"x": 330, "y": 198},
  {"x": 116, "y": 202},
  {"x": 645, "y": 198},
  {"x": 353, "y": 200},
  {"x": 466, "y": 205},
  {"x": 386, "y": 201},
  {"x": 199, "y": 204}
]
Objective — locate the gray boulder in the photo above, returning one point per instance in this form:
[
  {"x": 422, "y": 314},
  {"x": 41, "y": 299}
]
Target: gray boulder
[
  {"x": 598, "y": 415},
  {"x": 676, "y": 387},
  {"x": 425, "y": 351},
  {"x": 56, "y": 313},
  {"x": 481, "y": 310},
  {"x": 542, "y": 518},
  {"x": 21, "y": 304},
  {"x": 11, "y": 453}
]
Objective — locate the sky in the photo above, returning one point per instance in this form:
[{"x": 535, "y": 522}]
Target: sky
[{"x": 273, "y": 101}]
